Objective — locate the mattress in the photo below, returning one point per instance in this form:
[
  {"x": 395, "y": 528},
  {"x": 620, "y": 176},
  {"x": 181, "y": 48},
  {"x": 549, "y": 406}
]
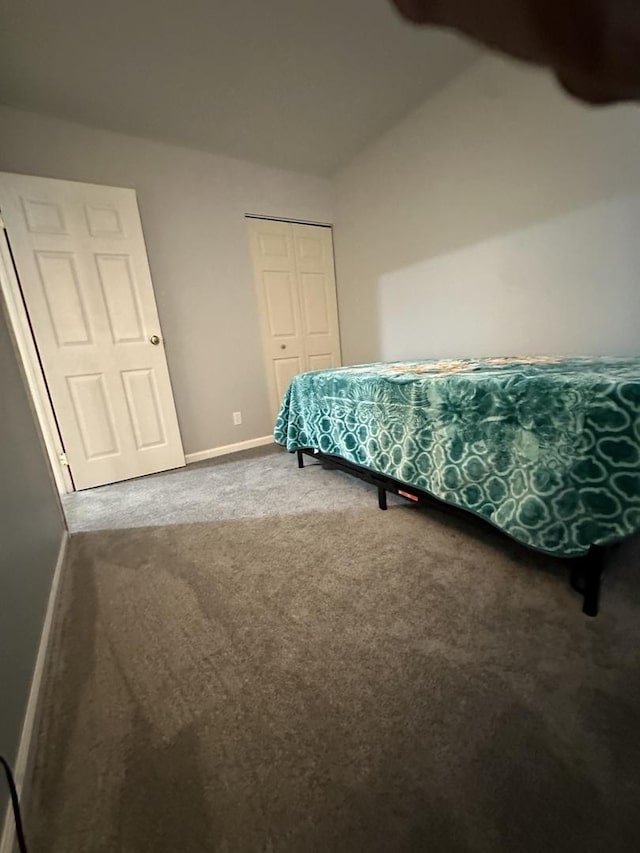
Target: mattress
[{"x": 548, "y": 450}]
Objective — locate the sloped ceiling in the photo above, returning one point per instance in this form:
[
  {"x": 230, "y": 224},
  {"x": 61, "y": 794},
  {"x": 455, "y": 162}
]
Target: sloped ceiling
[{"x": 300, "y": 84}]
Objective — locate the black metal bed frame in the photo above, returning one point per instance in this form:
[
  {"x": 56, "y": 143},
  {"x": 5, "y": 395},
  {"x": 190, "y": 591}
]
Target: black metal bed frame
[{"x": 585, "y": 575}]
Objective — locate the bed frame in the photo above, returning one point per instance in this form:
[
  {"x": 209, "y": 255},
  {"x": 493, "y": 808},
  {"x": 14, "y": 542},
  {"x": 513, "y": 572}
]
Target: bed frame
[{"x": 585, "y": 573}]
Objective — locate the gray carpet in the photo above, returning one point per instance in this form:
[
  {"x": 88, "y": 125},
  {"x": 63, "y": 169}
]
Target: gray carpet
[
  {"x": 252, "y": 484},
  {"x": 334, "y": 680}
]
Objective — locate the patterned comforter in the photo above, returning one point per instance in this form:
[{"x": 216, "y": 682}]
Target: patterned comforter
[{"x": 547, "y": 450}]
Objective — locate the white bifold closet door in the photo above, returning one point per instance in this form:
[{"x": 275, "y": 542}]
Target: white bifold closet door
[
  {"x": 82, "y": 264},
  {"x": 296, "y": 287}
]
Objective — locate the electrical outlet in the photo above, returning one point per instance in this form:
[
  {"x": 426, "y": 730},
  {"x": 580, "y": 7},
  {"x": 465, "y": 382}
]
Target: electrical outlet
[{"x": 237, "y": 418}]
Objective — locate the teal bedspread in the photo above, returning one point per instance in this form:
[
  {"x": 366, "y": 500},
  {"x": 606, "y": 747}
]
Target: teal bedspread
[{"x": 547, "y": 450}]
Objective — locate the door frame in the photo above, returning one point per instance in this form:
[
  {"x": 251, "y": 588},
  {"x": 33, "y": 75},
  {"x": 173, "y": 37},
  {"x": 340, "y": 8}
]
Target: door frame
[{"x": 28, "y": 354}]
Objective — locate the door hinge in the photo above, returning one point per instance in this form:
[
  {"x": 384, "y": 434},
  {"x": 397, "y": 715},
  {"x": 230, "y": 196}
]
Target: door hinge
[{"x": 63, "y": 459}]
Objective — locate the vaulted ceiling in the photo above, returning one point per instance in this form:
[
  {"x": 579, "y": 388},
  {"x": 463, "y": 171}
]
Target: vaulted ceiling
[{"x": 302, "y": 84}]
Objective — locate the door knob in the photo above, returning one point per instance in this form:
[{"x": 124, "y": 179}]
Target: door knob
[
  {"x": 283, "y": 346},
  {"x": 155, "y": 340}
]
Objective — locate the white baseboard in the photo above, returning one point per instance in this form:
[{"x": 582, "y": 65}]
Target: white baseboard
[
  {"x": 20, "y": 769},
  {"x": 223, "y": 450}
]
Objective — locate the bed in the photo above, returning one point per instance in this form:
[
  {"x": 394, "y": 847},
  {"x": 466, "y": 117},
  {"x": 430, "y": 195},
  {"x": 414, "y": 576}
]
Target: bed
[{"x": 547, "y": 450}]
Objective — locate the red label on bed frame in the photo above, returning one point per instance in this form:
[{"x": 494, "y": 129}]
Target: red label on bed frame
[{"x": 407, "y": 495}]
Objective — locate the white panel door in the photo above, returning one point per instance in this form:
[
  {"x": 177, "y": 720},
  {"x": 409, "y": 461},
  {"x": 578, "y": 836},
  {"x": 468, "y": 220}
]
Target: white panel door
[
  {"x": 295, "y": 282},
  {"x": 317, "y": 291},
  {"x": 83, "y": 269},
  {"x": 277, "y": 289}
]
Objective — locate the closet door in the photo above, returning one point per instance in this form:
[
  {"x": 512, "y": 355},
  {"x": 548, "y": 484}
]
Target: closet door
[
  {"x": 295, "y": 284},
  {"x": 317, "y": 293},
  {"x": 277, "y": 290}
]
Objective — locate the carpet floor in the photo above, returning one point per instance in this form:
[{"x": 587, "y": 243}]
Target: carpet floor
[
  {"x": 253, "y": 484},
  {"x": 339, "y": 679}
]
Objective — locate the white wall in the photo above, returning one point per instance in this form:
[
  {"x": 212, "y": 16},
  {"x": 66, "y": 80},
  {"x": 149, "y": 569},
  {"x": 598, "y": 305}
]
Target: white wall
[
  {"x": 192, "y": 205},
  {"x": 499, "y": 218}
]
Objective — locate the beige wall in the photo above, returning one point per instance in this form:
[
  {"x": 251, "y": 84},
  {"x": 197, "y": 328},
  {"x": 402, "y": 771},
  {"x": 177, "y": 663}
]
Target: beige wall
[
  {"x": 501, "y": 217},
  {"x": 31, "y": 530},
  {"x": 192, "y": 205}
]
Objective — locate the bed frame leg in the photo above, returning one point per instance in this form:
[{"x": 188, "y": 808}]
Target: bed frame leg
[
  {"x": 382, "y": 497},
  {"x": 586, "y": 578},
  {"x": 300, "y": 459}
]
